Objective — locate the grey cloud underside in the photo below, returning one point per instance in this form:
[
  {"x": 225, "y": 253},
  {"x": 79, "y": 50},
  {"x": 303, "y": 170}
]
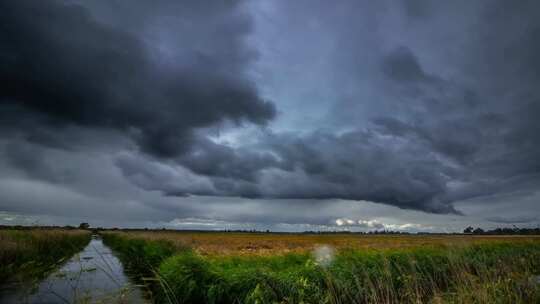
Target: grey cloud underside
[
  {"x": 356, "y": 165},
  {"x": 415, "y": 120},
  {"x": 513, "y": 220}
]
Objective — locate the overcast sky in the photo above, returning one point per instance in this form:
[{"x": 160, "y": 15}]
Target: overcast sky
[{"x": 283, "y": 115}]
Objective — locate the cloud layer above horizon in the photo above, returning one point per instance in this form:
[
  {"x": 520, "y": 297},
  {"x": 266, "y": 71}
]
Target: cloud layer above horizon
[{"x": 176, "y": 110}]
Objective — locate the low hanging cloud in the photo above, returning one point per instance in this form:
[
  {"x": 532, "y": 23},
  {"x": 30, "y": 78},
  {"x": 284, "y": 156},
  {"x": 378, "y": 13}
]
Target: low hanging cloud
[
  {"x": 355, "y": 165},
  {"x": 524, "y": 219}
]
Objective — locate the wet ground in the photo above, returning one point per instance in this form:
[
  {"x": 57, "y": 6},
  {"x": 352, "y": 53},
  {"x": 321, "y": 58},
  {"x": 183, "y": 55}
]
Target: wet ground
[{"x": 94, "y": 275}]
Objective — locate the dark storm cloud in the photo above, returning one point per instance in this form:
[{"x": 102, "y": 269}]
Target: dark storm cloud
[
  {"x": 355, "y": 165},
  {"x": 438, "y": 139},
  {"x": 363, "y": 165},
  {"x": 211, "y": 159},
  {"x": 151, "y": 175},
  {"x": 59, "y": 66},
  {"x": 414, "y": 104}
]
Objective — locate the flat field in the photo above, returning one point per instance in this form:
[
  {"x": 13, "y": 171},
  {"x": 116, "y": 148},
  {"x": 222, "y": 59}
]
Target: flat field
[
  {"x": 216, "y": 267},
  {"x": 239, "y": 243}
]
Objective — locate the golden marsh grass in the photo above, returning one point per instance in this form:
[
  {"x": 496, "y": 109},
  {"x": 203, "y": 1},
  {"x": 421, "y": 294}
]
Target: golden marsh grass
[{"x": 238, "y": 243}]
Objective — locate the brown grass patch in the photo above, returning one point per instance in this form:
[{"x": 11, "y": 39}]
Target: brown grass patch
[{"x": 236, "y": 243}]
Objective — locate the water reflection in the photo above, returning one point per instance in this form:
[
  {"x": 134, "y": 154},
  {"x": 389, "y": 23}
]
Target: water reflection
[{"x": 94, "y": 275}]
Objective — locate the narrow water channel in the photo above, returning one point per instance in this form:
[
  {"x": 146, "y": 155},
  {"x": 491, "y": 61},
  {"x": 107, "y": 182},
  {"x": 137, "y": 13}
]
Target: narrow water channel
[{"x": 94, "y": 275}]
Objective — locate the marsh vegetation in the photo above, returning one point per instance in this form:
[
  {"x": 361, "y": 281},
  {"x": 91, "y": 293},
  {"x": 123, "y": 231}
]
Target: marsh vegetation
[
  {"x": 31, "y": 254},
  {"x": 180, "y": 267},
  {"x": 226, "y": 267}
]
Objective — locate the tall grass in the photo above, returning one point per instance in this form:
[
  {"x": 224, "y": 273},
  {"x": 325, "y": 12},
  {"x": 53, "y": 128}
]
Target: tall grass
[
  {"x": 499, "y": 272},
  {"x": 29, "y": 254}
]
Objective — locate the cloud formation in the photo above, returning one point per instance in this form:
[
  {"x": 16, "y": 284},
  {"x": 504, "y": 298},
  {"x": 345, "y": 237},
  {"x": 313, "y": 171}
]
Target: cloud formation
[
  {"x": 416, "y": 105},
  {"x": 99, "y": 76},
  {"x": 371, "y": 225}
]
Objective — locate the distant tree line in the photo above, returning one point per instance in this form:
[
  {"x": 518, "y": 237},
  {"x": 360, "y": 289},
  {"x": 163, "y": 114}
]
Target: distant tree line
[
  {"x": 469, "y": 230},
  {"x": 503, "y": 231}
]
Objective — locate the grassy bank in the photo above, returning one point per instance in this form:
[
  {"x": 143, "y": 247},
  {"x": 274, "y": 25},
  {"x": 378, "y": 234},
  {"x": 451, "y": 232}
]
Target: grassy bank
[
  {"x": 486, "y": 272},
  {"x": 29, "y": 254}
]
